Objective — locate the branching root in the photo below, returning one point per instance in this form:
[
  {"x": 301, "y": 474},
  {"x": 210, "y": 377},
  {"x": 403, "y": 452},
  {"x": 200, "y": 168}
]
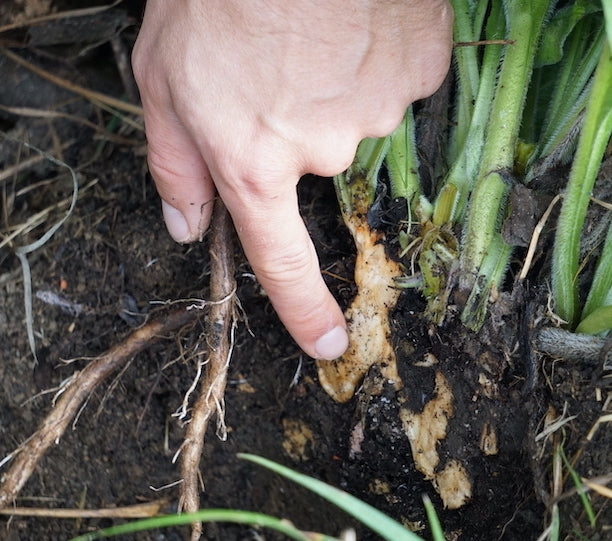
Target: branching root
[
  {"x": 77, "y": 391},
  {"x": 220, "y": 333},
  {"x": 221, "y": 323}
]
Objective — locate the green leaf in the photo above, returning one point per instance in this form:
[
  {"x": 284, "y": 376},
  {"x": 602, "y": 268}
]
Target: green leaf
[
  {"x": 594, "y": 137},
  {"x": 559, "y": 28},
  {"x": 600, "y": 293},
  {"x": 377, "y": 521},
  {"x": 437, "y": 532},
  {"x": 566, "y": 98},
  {"x": 607, "y": 9},
  {"x": 600, "y": 320},
  {"x": 445, "y": 205},
  {"x": 555, "y": 523}
]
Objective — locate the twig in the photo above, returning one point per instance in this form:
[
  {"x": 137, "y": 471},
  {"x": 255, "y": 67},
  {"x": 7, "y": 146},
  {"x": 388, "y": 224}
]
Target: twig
[
  {"x": 55, "y": 16},
  {"x": 536, "y": 236},
  {"x": 26, "y": 457},
  {"x": 124, "y": 67},
  {"x": 91, "y": 95},
  {"x": 600, "y": 488},
  {"x": 140, "y": 510},
  {"x": 220, "y": 341},
  {"x": 50, "y": 114},
  {"x": 484, "y": 42},
  {"x": 26, "y": 164}
]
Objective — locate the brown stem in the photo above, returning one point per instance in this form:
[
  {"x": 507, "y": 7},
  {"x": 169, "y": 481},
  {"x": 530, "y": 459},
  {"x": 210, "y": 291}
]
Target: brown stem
[{"x": 220, "y": 326}]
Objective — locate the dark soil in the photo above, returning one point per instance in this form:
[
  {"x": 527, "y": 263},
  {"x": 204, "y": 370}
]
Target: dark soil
[{"x": 112, "y": 260}]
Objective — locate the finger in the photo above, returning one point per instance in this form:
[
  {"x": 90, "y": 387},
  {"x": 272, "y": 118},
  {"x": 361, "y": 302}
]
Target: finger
[
  {"x": 181, "y": 177},
  {"x": 283, "y": 257}
]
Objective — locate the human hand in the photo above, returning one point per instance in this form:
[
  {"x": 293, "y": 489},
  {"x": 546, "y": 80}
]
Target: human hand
[{"x": 243, "y": 98}]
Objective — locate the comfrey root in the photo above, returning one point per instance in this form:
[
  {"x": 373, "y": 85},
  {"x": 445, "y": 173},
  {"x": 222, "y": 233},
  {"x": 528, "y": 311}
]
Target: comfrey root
[{"x": 368, "y": 317}]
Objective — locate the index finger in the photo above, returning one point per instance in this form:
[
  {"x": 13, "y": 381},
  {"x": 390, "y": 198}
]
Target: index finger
[{"x": 283, "y": 257}]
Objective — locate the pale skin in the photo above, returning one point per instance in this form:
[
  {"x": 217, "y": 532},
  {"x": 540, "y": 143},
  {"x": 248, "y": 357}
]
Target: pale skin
[{"x": 242, "y": 98}]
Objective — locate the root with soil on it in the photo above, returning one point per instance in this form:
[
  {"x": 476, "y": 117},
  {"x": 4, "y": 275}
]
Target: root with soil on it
[
  {"x": 219, "y": 338},
  {"x": 220, "y": 335},
  {"x": 75, "y": 394}
]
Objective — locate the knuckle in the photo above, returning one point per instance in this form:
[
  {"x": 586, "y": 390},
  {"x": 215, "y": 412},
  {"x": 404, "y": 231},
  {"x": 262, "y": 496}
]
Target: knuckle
[
  {"x": 260, "y": 177},
  {"x": 290, "y": 267},
  {"x": 291, "y": 279},
  {"x": 333, "y": 154}
]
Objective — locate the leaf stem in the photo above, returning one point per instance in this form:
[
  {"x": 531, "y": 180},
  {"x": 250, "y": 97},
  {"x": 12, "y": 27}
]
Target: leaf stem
[
  {"x": 594, "y": 137},
  {"x": 464, "y": 171},
  {"x": 402, "y": 161},
  {"x": 601, "y": 288},
  {"x": 524, "y": 22},
  {"x": 356, "y": 187}
]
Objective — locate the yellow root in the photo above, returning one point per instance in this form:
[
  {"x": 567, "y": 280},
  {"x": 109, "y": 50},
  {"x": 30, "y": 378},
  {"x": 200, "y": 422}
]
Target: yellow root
[{"x": 367, "y": 318}]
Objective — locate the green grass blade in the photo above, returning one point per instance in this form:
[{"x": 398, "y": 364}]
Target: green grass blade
[
  {"x": 437, "y": 533},
  {"x": 588, "y": 509},
  {"x": 205, "y": 515},
  {"x": 377, "y": 521},
  {"x": 23, "y": 251},
  {"x": 579, "y": 536},
  {"x": 555, "y": 524}
]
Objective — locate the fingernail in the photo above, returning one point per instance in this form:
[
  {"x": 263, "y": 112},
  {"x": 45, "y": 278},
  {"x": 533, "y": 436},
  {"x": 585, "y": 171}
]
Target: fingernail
[
  {"x": 331, "y": 345},
  {"x": 175, "y": 223}
]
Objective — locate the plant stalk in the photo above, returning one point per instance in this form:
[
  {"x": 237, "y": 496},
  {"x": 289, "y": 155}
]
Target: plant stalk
[
  {"x": 465, "y": 167},
  {"x": 402, "y": 161},
  {"x": 594, "y": 137},
  {"x": 524, "y": 21}
]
